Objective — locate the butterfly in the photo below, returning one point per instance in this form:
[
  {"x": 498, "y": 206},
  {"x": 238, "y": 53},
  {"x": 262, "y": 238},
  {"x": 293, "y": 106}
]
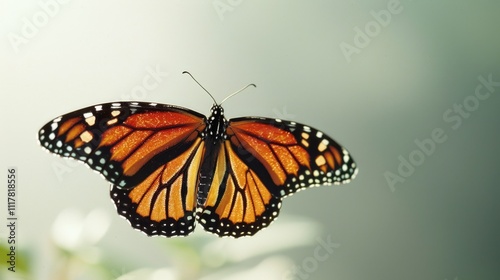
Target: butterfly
[{"x": 171, "y": 167}]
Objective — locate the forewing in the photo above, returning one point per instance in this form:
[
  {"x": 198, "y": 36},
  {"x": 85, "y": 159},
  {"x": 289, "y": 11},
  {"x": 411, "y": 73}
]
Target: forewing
[
  {"x": 290, "y": 156},
  {"x": 126, "y": 142}
]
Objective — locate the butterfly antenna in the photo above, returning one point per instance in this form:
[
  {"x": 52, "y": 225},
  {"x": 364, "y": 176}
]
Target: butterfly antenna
[
  {"x": 186, "y": 72},
  {"x": 238, "y": 91}
]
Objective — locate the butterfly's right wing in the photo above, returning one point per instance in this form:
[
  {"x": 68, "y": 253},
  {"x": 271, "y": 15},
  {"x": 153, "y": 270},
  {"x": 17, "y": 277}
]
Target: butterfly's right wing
[
  {"x": 126, "y": 141},
  {"x": 151, "y": 153}
]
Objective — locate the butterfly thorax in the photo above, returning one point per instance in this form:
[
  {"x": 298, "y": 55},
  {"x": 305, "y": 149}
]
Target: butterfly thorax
[{"x": 215, "y": 130}]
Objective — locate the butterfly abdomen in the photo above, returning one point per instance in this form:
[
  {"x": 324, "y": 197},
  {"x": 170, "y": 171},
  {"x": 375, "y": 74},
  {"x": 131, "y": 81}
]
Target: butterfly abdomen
[{"x": 214, "y": 135}]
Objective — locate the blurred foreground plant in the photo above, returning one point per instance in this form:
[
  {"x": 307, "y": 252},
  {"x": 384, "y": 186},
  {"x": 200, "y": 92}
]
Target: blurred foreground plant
[{"x": 77, "y": 252}]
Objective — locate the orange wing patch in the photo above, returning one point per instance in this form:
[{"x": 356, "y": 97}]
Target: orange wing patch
[
  {"x": 245, "y": 204},
  {"x": 135, "y": 147},
  {"x": 67, "y": 125},
  {"x": 245, "y": 196},
  {"x": 159, "y": 120},
  {"x": 328, "y": 158},
  {"x": 166, "y": 183},
  {"x": 119, "y": 139},
  {"x": 295, "y": 156},
  {"x": 166, "y": 199},
  {"x": 265, "y": 131},
  {"x": 130, "y": 143},
  {"x": 277, "y": 149},
  {"x": 113, "y": 135},
  {"x": 74, "y": 132}
]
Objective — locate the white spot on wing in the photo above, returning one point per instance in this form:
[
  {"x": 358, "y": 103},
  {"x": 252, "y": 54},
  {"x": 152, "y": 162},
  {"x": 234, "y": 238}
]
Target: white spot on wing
[
  {"x": 87, "y": 150},
  {"x": 346, "y": 157},
  {"x": 90, "y": 120},
  {"x": 112, "y": 121}
]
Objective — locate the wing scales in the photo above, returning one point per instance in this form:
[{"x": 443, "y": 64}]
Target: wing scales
[
  {"x": 164, "y": 203},
  {"x": 153, "y": 155},
  {"x": 124, "y": 142},
  {"x": 294, "y": 156},
  {"x": 238, "y": 203}
]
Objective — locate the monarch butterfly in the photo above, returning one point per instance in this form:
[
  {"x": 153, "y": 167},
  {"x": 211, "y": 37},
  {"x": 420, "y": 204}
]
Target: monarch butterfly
[{"x": 170, "y": 166}]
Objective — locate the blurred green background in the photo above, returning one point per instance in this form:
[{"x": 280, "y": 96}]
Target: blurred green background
[{"x": 378, "y": 76}]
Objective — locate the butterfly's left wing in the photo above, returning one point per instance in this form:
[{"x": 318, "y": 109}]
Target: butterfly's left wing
[
  {"x": 262, "y": 161},
  {"x": 238, "y": 202}
]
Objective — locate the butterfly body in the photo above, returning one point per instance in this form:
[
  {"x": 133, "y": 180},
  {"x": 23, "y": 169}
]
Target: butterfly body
[
  {"x": 213, "y": 135},
  {"x": 170, "y": 166}
]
